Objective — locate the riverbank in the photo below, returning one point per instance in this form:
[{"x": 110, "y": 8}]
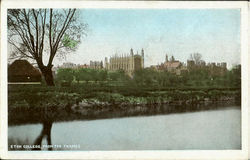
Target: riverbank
[{"x": 37, "y": 104}]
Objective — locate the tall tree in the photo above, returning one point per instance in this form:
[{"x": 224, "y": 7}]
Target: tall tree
[
  {"x": 196, "y": 57},
  {"x": 42, "y": 34}
]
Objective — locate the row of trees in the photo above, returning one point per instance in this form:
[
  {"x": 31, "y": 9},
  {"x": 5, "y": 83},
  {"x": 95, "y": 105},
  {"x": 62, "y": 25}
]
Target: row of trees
[
  {"x": 148, "y": 77},
  {"x": 198, "y": 78},
  {"x": 87, "y": 75}
]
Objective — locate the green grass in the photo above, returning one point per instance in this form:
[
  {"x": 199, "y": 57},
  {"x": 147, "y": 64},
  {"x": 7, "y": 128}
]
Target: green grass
[
  {"x": 27, "y": 103},
  {"x": 39, "y": 95}
]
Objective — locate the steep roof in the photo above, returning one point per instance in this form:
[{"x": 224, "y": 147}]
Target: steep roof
[{"x": 22, "y": 68}]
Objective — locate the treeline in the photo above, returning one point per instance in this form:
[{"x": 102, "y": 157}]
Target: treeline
[
  {"x": 87, "y": 75},
  {"x": 196, "y": 77},
  {"x": 199, "y": 77}
]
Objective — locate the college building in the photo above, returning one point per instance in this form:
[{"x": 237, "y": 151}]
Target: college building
[{"x": 128, "y": 62}]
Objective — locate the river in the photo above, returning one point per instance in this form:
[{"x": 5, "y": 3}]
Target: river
[{"x": 206, "y": 130}]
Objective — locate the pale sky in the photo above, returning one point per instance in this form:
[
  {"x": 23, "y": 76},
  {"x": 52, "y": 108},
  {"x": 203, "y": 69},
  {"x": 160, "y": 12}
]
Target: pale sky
[{"x": 214, "y": 33}]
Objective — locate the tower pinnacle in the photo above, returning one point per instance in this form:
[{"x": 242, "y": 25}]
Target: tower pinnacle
[{"x": 131, "y": 52}]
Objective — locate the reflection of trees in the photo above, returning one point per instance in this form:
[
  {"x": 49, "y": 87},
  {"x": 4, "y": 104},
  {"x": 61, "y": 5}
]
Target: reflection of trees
[
  {"x": 46, "y": 132},
  {"x": 48, "y": 116}
]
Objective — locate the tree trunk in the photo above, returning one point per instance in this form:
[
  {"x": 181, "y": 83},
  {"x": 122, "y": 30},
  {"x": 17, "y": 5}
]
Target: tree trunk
[{"x": 48, "y": 76}]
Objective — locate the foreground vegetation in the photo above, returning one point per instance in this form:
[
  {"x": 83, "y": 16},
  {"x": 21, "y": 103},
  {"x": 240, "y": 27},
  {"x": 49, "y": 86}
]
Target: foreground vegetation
[
  {"x": 35, "y": 103},
  {"x": 92, "y": 94}
]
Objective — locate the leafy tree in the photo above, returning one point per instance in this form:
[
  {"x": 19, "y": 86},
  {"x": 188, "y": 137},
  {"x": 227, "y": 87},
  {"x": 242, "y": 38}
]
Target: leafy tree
[
  {"x": 235, "y": 77},
  {"x": 103, "y": 75},
  {"x": 113, "y": 76},
  {"x": 77, "y": 75},
  {"x": 146, "y": 77},
  {"x": 43, "y": 34},
  {"x": 116, "y": 75},
  {"x": 123, "y": 76},
  {"x": 65, "y": 74},
  {"x": 85, "y": 74},
  {"x": 95, "y": 75}
]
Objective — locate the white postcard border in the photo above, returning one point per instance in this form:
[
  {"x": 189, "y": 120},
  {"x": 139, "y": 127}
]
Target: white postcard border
[{"x": 170, "y": 154}]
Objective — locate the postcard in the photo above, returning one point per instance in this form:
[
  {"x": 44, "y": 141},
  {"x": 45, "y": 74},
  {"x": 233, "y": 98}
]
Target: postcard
[{"x": 124, "y": 80}]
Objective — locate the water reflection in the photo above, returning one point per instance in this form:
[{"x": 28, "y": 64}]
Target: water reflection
[
  {"x": 46, "y": 132},
  {"x": 214, "y": 129},
  {"x": 48, "y": 116}
]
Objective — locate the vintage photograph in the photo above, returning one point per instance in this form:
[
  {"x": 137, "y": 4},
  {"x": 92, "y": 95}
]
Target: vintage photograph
[{"x": 124, "y": 79}]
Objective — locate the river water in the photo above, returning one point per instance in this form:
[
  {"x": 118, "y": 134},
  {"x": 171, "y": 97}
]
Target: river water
[{"x": 206, "y": 130}]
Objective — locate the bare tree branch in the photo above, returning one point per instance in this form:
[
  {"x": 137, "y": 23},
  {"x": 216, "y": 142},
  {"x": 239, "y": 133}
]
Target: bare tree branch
[
  {"x": 37, "y": 29},
  {"x": 29, "y": 31},
  {"x": 35, "y": 32},
  {"x": 22, "y": 52},
  {"x": 65, "y": 25}
]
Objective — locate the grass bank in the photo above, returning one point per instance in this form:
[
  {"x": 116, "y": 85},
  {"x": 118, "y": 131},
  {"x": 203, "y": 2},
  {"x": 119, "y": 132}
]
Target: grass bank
[{"x": 35, "y": 103}]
